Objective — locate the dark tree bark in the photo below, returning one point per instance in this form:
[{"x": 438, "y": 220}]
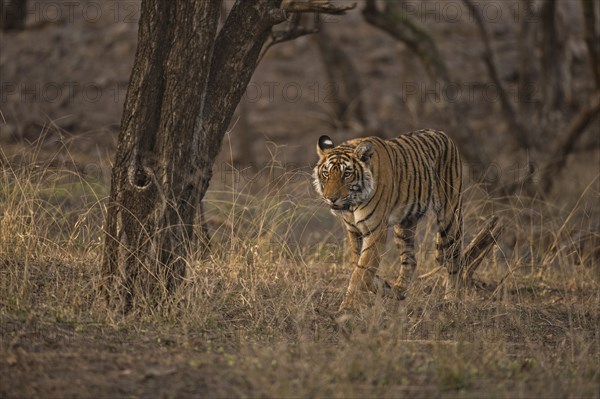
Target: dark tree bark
[
  {"x": 13, "y": 14},
  {"x": 592, "y": 36},
  {"x": 185, "y": 85},
  {"x": 553, "y": 57},
  {"x": 186, "y": 82},
  {"x": 159, "y": 170},
  {"x": 527, "y": 59}
]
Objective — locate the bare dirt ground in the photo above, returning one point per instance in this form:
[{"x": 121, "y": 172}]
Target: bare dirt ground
[{"x": 530, "y": 341}]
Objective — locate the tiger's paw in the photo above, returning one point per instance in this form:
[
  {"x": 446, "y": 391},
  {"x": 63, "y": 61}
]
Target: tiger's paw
[
  {"x": 347, "y": 306},
  {"x": 351, "y": 304},
  {"x": 399, "y": 292}
]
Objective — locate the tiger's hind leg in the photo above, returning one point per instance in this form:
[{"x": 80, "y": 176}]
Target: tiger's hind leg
[
  {"x": 449, "y": 247},
  {"x": 404, "y": 237}
]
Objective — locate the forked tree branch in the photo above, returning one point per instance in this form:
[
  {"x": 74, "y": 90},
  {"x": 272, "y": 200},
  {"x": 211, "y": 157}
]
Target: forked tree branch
[
  {"x": 292, "y": 12},
  {"x": 559, "y": 151},
  {"x": 294, "y": 31},
  {"x": 565, "y": 143}
]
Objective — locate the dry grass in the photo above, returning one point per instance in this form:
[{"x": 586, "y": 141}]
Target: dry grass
[{"x": 257, "y": 318}]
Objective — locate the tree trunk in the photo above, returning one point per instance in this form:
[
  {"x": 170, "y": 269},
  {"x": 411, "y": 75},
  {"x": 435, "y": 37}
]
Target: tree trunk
[
  {"x": 186, "y": 82},
  {"x": 553, "y": 54},
  {"x": 13, "y": 14},
  {"x": 185, "y": 85},
  {"x": 527, "y": 59}
]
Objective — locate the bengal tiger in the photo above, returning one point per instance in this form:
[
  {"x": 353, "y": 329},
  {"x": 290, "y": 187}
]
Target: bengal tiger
[{"x": 371, "y": 184}]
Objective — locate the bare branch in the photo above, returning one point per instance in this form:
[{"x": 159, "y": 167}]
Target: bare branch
[
  {"x": 294, "y": 31},
  {"x": 554, "y": 72},
  {"x": 322, "y": 6},
  {"x": 395, "y": 22},
  {"x": 292, "y": 11},
  {"x": 518, "y": 131},
  {"x": 591, "y": 37},
  {"x": 565, "y": 143},
  {"x": 527, "y": 57}
]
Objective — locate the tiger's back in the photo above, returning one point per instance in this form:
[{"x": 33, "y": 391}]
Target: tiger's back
[
  {"x": 415, "y": 172},
  {"x": 373, "y": 183}
]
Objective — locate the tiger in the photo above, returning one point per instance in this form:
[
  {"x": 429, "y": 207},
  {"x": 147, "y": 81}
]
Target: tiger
[{"x": 372, "y": 184}]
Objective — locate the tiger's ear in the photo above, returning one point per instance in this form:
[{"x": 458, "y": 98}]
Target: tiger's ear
[
  {"x": 364, "y": 151},
  {"x": 325, "y": 143}
]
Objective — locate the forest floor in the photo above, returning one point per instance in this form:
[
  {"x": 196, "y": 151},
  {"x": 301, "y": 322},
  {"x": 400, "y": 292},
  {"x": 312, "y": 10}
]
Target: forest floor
[
  {"x": 271, "y": 330},
  {"x": 258, "y": 318}
]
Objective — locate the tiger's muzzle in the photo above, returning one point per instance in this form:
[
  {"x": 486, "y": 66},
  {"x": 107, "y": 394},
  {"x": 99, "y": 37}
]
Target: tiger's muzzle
[{"x": 339, "y": 204}]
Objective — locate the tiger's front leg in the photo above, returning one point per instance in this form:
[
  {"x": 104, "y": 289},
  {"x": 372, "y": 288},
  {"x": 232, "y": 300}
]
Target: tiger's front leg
[
  {"x": 354, "y": 245},
  {"x": 362, "y": 278}
]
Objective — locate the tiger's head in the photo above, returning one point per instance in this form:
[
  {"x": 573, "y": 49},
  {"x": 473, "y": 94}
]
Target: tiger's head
[{"x": 343, "y": 176}]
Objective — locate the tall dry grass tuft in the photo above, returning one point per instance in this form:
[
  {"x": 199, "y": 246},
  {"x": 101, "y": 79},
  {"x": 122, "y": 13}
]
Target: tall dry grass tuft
[
  {"x": 268, "y": 250},
  {"x": 50, "y": 225}
]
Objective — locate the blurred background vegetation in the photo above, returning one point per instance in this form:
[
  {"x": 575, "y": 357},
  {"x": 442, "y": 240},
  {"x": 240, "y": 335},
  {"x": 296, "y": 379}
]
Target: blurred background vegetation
[{"x": 506, "y": 79}]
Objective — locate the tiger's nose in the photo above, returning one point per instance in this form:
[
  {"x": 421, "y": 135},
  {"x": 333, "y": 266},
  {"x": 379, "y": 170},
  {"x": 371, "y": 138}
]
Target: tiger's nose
[{"x": 332, "y": 200}]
